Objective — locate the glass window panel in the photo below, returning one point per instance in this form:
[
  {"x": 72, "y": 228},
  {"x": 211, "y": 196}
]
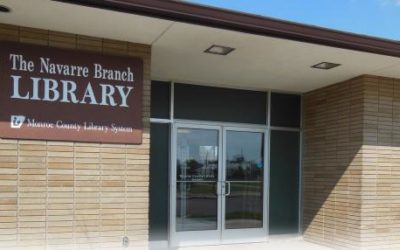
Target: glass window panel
[
  {"x": 160, "y": 100},
  {"x": 219, "y": 104},
  {"x": 196, "y": 206},
  {"x": 285, "y": 110},
  {"x": 284, "y": 182},
  {"x": 244, "y": 205},
  {"x": 244, "y": 155},
  {"x": 197, "y": 154},
  {"x": 159, "y": 181}
]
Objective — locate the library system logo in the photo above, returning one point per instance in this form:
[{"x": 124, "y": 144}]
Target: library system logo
[{"x": 17, "y": 121}]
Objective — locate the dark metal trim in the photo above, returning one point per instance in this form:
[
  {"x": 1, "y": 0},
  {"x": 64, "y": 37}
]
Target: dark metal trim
[{"x": 225, "y": 19}]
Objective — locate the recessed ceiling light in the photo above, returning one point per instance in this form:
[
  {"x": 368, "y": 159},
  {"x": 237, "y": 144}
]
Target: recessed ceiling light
[
  {"x": 4, "y": 9},
  {"x": 325, "y": 65},
  {"x": 219, "y": 50}
]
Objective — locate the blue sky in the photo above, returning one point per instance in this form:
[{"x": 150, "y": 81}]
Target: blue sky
[{"x": 379, "y": 18}]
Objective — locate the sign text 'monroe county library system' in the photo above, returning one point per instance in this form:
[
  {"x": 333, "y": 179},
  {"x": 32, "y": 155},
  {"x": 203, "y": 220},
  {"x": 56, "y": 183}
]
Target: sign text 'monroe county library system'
[{"x": 61, "y": 94}]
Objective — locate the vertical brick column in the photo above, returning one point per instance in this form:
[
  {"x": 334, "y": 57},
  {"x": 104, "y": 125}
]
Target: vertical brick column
[
  {"x": 351, "y": 164},
  {"x": 380, "y": 228},
  {"x": 332, "y": 166}
]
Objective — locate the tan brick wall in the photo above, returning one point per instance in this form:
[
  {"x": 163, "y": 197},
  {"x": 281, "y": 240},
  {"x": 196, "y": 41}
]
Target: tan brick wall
[
  {"x": 66, "y": 195},
  {"x": 352, "y": 164},
  {"x": 332, "y": 181},
  {"x": 380, "y": 227}
]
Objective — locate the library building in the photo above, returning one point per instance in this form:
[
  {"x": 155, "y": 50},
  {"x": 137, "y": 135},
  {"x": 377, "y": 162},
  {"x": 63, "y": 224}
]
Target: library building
[{"x": 156, "y": 125}]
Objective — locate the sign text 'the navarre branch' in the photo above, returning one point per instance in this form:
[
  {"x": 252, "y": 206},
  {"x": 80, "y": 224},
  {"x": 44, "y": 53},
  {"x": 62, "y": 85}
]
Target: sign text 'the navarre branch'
[{"x": 64, "y": 90}]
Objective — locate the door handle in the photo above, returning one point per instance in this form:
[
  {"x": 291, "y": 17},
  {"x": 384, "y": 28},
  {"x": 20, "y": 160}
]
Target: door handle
[
  {"x": 216, "y": 188},
  {"x": 228, "y": 187}
]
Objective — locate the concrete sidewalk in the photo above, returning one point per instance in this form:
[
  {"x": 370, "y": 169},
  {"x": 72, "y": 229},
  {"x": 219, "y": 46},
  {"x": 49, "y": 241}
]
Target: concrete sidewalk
[{"x": 297, "y": 244}]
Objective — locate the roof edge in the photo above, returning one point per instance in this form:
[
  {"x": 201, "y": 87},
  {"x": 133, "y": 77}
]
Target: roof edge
[{"x": 237, "y": 21}]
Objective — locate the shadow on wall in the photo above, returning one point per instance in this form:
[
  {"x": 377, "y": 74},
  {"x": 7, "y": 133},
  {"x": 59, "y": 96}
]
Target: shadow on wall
[{"x": 351, "y": 164}]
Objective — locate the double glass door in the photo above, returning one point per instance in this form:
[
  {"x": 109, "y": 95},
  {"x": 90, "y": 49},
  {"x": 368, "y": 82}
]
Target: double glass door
[{"x": 218, "y": 185}]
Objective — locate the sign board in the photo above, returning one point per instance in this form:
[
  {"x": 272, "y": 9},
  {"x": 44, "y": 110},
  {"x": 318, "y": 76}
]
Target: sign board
[{"x": 68, "y": 95}]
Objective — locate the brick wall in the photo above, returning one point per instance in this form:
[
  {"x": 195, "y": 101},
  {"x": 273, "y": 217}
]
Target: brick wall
[
  {"x": 66, "y": 195},
  {"x": 352, "y": 164},
  {"x": 380, "y": 227}
]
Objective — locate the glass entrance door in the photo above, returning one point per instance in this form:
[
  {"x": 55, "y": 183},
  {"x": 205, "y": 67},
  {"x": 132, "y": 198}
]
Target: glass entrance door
[
  {"x": 244, "y": 202},
  {"x": 196, "y": 201},
  {"x": 217, "y": 192}
]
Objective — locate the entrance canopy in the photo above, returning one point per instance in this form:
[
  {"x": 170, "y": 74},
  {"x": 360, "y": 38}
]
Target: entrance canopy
[{"x": 268, "y": 54}]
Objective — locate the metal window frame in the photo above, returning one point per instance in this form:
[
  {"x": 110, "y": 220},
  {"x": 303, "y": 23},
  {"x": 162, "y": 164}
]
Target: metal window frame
[{"x": 267, "y": 145}]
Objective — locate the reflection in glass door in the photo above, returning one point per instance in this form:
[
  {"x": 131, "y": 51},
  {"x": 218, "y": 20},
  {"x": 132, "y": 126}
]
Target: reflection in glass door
[
  {"x": 243, "y": 202},
  {"x": 244, "y": 174},
  {"x": 197, "y": 212},
  {"x": 197, "y": 176},
  {"x": 219, "y": 185}
]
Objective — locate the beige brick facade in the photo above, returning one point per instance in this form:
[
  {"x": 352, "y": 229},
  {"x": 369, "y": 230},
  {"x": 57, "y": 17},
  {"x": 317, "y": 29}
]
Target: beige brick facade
[
  {"x": 65, "y": 195},
  {"x": 352, "y": 164}
]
